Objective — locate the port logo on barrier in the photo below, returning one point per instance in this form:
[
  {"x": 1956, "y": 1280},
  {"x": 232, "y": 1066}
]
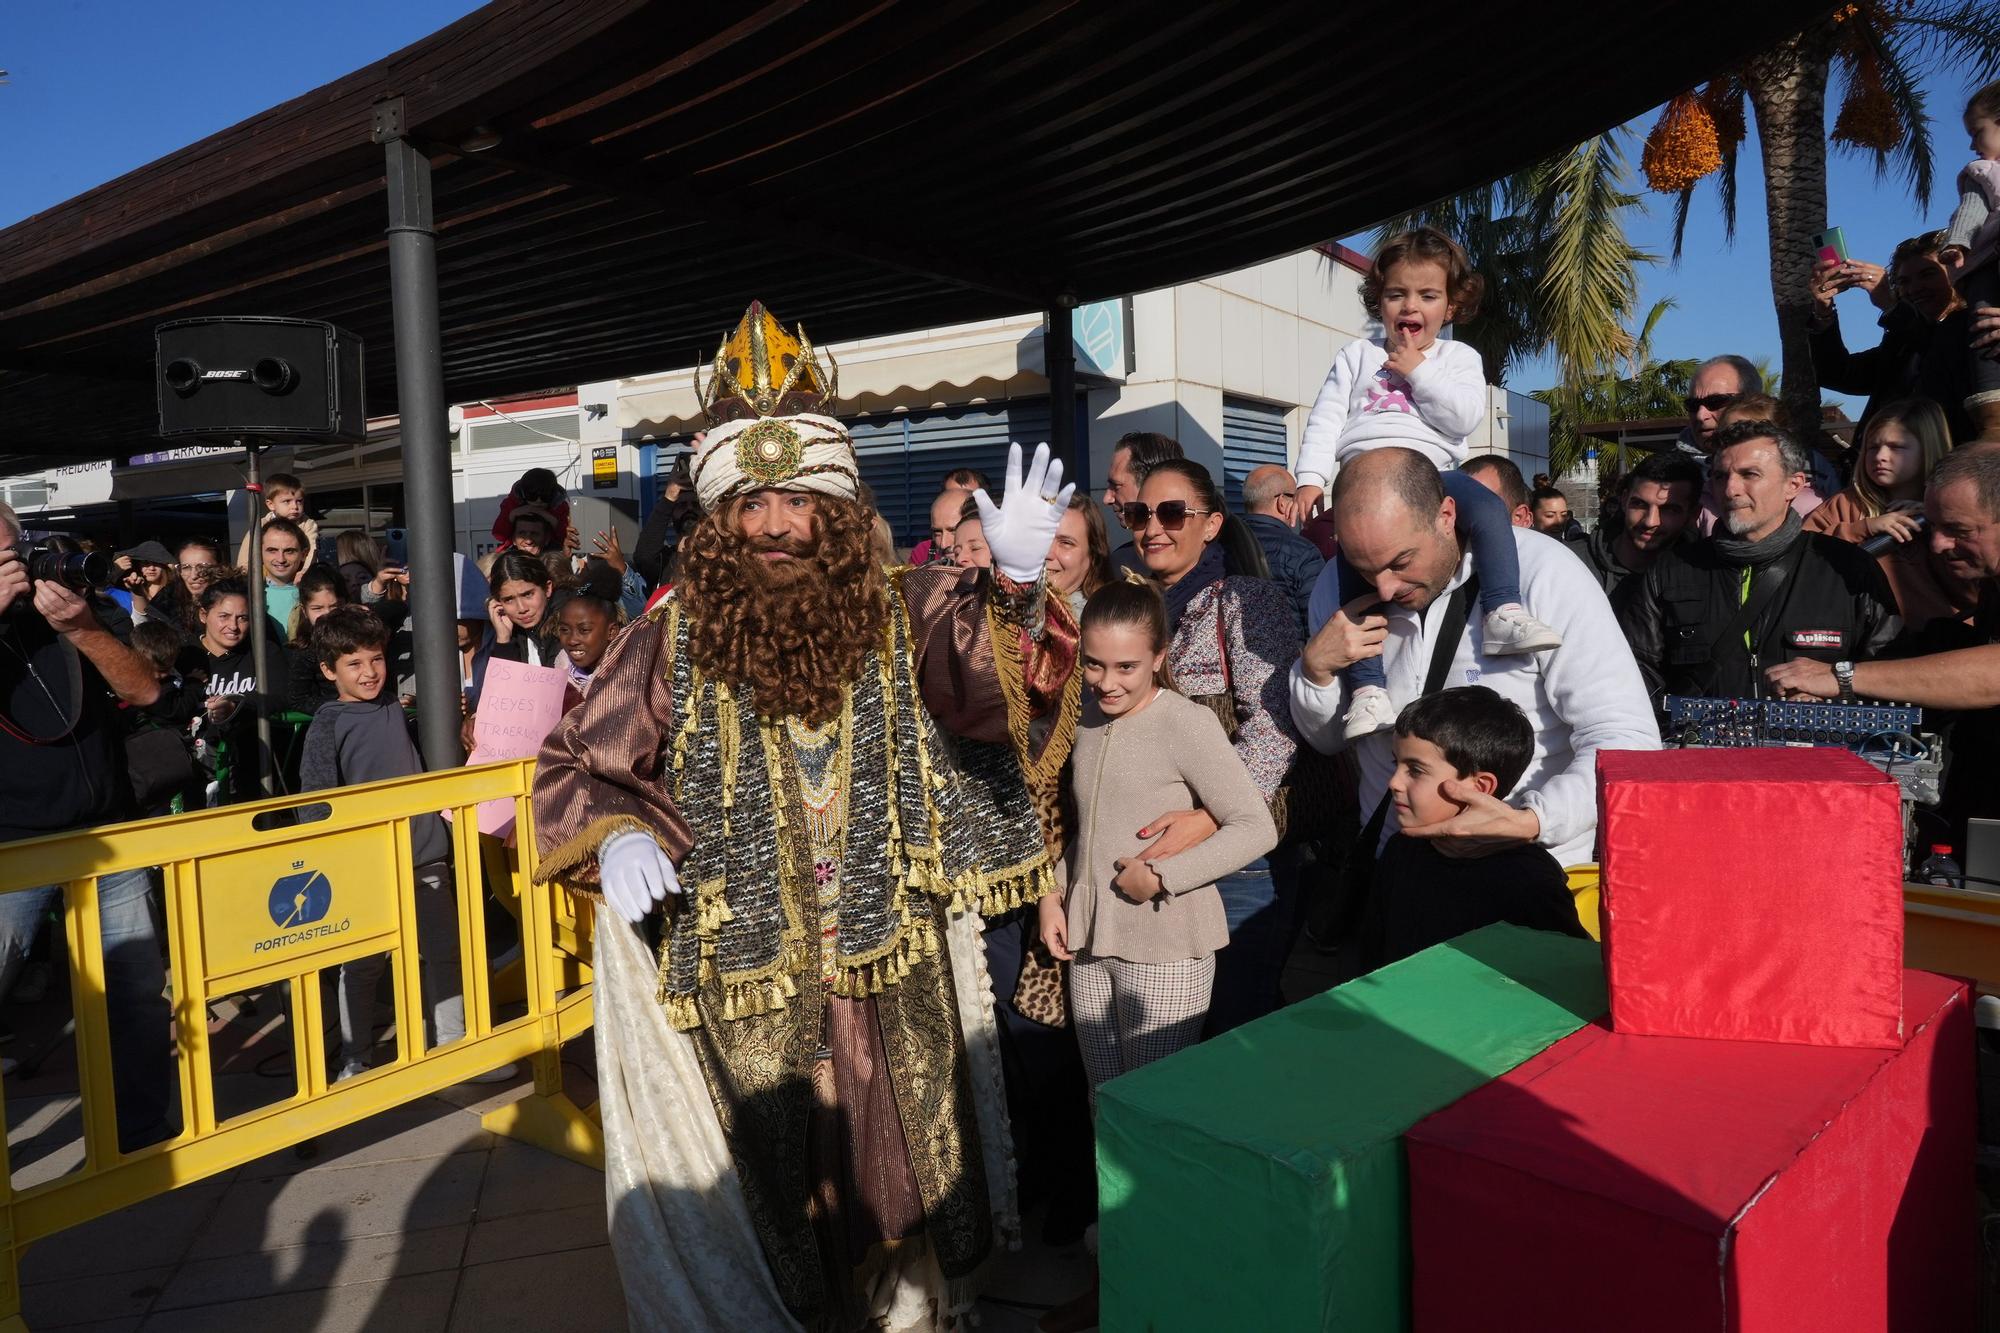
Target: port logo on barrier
[
  {"x": 287, "y": 907},
  {"x": 299, "y": 905},
  {"x": 300, "y": 899}
]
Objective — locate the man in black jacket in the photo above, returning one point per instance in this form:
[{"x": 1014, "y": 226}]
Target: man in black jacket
[
  {"x": 1271, "y": 511},
  {"x": 1657, "y": 501},
  {"x": 62, "y": 677},
  {"x": 1710, "y": 615}
]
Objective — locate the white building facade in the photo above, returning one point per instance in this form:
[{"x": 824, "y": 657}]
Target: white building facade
[{"x": 1229, "y": 366}]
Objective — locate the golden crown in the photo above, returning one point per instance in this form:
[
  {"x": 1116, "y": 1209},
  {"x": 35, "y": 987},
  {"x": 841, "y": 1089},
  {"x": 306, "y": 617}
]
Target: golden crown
[{"x": 762, "y": 371}]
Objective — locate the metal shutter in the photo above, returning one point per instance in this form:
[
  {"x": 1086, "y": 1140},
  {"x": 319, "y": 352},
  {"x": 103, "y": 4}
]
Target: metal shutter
[
  {"x": 904, "y": 458},
  {"x": 1253, "y": 434}
]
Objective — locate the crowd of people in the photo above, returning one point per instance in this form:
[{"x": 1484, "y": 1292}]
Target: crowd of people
[{"x": 1366, "y": 707}]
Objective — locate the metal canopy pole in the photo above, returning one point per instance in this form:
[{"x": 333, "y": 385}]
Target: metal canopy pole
[
  {"x": 1059, "y": 364},
  {"x": 260, "y": 648},
  {"x": 426, "y": 439}
]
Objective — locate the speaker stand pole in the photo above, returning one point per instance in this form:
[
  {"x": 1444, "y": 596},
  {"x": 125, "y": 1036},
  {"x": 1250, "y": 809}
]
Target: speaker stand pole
[
  {"x": 420, "y": 403},
  {"x": 260, "y": 648}
]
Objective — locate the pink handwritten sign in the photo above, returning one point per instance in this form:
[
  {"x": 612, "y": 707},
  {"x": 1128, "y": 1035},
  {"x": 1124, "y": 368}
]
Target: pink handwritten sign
[{"x": 519, "y": 705}]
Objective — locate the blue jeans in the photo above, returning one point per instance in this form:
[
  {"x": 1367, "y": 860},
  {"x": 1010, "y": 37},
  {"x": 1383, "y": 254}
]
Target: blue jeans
[
  {"x": 1259, "y": 903},
  {"x": 142, "y": 1062},
  {"x": 1487, "y": 526}
]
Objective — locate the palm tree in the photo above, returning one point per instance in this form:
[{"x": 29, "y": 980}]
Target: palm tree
[
  {"x": 1647, "y": 390},
  {"x": 1881, "y": 50},
  {"x": 1550, "y": 242}
]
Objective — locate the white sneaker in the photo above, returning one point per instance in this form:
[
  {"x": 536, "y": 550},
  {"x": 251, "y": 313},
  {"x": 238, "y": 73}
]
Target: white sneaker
[
  {"x": 1370, "y": 712},
  {"x": 1510, "y": 629},
  {"x": 350, "y": 1070}
]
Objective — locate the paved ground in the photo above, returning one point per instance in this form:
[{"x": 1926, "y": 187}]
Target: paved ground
[{"x": 417, "y": 1221}]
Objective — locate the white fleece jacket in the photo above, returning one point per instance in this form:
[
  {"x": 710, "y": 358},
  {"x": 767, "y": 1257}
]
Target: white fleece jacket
[
  {"x": 1583, "y": 697},
  {"x": 1363, "y": 405}
]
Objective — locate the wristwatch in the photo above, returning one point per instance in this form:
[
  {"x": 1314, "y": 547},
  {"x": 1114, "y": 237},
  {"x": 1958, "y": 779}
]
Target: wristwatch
[{"x": 1843, "y": 672}]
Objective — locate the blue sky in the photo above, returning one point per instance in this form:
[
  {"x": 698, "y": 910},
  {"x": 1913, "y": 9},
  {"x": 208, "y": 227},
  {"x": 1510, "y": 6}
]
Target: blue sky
[
  {"x": 1723, "y": 289},
  {"x": 99, "y": 87}
]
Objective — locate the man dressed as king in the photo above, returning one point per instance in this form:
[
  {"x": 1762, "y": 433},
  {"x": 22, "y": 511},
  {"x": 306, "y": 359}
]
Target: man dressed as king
[{"x": 791, "y": 784}]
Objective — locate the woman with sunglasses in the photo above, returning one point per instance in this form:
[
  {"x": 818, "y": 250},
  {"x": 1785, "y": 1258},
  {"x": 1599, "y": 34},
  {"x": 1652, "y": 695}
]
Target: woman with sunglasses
[
  {"x": 1925, "y": 329},
  {"x": 1234, "y": 638}
]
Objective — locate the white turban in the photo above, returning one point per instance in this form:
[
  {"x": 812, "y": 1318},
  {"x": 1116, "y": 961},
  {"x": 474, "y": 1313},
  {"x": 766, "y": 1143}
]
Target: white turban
[{"x": 797, "y": 453}]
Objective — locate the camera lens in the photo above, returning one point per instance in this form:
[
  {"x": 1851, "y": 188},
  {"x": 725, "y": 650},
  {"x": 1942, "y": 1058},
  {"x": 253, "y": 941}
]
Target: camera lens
[{"x": 79, "y": 571}]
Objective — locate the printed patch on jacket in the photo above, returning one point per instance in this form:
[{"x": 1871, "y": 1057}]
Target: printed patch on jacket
[{"x": 1817, "y": 638}]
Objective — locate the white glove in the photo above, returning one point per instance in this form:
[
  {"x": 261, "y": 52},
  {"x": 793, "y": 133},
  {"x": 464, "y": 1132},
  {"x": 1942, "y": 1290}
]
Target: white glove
[
  {"x": 635, "y": 874},
  {"x": 1022, "y": 527}
]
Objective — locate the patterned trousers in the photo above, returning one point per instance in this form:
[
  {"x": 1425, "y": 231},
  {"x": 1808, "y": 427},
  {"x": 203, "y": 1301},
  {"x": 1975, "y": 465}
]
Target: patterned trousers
[{"x": 1131, "y": 1014}]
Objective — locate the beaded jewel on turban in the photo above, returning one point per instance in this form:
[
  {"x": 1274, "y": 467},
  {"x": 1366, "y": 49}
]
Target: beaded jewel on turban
[{"x": 766, "y": 399}]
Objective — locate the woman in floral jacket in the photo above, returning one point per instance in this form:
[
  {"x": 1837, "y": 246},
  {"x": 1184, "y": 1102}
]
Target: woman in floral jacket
[{"x": 1235, "y": 636}]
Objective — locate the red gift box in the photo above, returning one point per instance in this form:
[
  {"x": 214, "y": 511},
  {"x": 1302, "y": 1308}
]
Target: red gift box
[
  {"x": 1752, "y": 895},
  {"x": 1663, "y": 1183}
]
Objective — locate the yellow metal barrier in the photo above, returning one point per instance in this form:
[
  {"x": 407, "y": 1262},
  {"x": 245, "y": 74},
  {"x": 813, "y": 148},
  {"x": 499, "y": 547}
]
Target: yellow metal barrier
[
  {"x": 1953, "y": 930},
  {"x": 248, "y": 907},
  {"x": 1944, "y": 929}
]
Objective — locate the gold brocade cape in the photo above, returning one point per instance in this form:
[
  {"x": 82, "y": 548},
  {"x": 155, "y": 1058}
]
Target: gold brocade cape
[
  {"x": 935, "y": 823},
  {"x": 928, "y": 817}
]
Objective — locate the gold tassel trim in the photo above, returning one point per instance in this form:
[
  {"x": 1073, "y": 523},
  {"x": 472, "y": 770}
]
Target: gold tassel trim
[
  {"x": 1011, "y": 668},
  {"x": 581, "y": 849}
]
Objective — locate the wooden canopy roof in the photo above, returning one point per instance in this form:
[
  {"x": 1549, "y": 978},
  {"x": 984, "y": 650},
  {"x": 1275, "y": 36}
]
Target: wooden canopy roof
[{"x": 863, "y": 168}]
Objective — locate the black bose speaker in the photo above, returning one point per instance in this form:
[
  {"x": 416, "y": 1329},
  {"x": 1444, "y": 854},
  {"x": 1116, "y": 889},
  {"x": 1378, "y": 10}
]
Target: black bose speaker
[{"x": 251, "y": 376}]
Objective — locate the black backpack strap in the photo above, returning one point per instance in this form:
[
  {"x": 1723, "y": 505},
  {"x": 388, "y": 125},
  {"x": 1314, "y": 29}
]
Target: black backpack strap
[
  {"x": 1444, "y": 648},
  {"x": 1456, "y": 613}
]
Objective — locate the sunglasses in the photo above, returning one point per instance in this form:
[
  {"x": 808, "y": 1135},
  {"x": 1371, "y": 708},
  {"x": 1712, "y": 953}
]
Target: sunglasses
[
  {"x": 1714, "y": 402},
  {"x": 1173, "y": 514}
]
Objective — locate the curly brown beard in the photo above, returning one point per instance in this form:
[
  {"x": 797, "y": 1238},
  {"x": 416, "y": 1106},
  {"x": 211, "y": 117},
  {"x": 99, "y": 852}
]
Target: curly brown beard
[{"x": 793, "y": 632}]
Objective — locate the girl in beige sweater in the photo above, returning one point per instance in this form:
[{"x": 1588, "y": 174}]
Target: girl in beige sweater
[{"x": 1141, "y": 933}]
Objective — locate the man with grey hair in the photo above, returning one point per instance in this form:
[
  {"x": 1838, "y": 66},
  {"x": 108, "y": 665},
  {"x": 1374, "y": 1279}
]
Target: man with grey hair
[
  {"x": 1709, "y": 616},
  {"x": 1271, "y": 511},
  {"x": 1957, "y": 668}
]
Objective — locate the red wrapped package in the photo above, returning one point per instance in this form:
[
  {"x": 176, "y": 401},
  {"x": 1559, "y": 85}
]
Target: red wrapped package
[
  {"x": 1752, "y": 895},
  {"x": 1662, "y": 1183}
]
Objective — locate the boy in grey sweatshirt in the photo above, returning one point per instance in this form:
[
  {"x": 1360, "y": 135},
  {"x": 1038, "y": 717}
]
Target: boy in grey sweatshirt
[{"x": 362, "y": 736}]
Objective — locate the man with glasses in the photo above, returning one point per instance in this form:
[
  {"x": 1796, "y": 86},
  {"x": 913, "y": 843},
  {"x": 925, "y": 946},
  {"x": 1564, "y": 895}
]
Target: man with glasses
[
  {"x": 1718, "y": 382},
  {"x": 1957, "y": 671},
  {"x": 1271, "y": 511}
]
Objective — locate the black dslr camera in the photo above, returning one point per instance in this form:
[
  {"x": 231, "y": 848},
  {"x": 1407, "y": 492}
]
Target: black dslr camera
[{"x": 58, "y": 561}]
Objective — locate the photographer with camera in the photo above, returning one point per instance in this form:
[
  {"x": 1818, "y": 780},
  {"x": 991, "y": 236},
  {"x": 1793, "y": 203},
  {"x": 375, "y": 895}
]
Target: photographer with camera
[
  {"x": 62, "y": 678},
  {"x": 673, "y": 517}
]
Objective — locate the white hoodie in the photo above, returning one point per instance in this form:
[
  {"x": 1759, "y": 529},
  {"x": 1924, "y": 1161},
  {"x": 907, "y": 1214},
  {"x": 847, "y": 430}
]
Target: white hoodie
[{"x": 1364, "y": 405}]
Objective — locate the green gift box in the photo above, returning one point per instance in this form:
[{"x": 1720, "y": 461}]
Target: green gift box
[{"x": 1257, "y": 1180}]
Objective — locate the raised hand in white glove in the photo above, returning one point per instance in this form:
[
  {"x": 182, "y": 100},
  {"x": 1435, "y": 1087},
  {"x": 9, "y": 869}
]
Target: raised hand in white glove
[
  {"x": 635, "y": 874},
  {"x": 1022, "y": 527}
]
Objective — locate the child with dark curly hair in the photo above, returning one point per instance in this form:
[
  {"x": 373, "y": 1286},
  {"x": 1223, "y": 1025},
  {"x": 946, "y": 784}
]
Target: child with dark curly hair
[{"x": 1406, "y": 387}]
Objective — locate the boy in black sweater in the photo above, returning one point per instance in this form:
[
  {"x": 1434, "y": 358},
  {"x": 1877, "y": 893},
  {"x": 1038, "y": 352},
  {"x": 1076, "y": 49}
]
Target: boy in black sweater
[
  {"x": 1427, "y": 892},
  {"x": 362, "y": 736}
]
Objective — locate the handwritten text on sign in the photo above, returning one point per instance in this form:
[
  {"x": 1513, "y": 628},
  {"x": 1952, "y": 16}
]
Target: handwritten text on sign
[{"x": 519, "y": 705}]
